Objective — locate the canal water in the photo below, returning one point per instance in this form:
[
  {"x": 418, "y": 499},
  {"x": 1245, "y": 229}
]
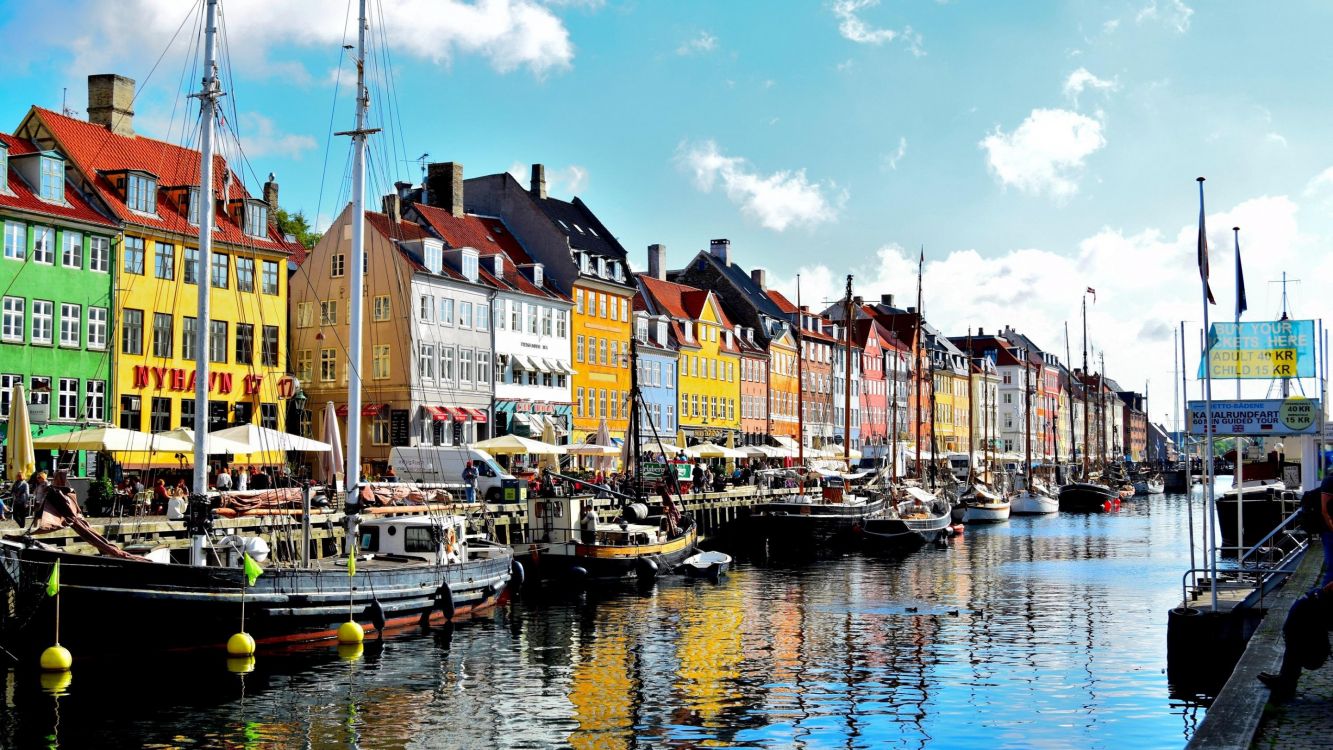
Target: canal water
[{"x": 1040, "y": 632}]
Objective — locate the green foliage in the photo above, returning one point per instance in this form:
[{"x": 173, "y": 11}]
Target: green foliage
[
  {"x": 297, "y": 224},
  {"x": 101, "y": 495}
]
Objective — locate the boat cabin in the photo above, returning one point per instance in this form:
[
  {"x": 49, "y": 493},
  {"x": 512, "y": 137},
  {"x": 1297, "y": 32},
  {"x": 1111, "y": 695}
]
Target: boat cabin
[
  {"x": 431, "y": 538},
  {"x": 558, "y": 520}
]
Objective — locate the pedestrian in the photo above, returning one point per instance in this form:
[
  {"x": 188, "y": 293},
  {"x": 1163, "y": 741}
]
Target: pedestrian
[
  {"x": 389, "y": 475},
  {"x": 1305, "y": 635},
  {"x": 697, "y": 478},
  {"x": 470, "y": 482},
  {"x": 39, "y": 489},
  {"x": 243, "y": 479},
  {"x": 669, "y": 511},
  {"x": 22, "y": 500},
  {"x": 588, "y": 524},
  {"x": 223, "y": 482}
]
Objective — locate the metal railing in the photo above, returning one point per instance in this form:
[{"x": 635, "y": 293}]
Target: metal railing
[{"x": 1261, "y": 573}]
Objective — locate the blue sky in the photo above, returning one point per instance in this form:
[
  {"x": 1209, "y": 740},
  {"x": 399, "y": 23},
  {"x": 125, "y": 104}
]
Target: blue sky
[{"x": 1034, "y": 149}]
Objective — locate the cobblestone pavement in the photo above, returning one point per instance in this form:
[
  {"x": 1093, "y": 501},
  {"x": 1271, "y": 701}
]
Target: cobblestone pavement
[{"x": 1306, "y": 721}]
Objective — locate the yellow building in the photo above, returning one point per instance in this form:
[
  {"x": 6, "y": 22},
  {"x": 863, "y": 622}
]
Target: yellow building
[
  {"x": 708, "y": 373},
  {"x": 952, "y": 393},
  {"x": 152, "y": 187},
  {"x": 600, "y": 329}
]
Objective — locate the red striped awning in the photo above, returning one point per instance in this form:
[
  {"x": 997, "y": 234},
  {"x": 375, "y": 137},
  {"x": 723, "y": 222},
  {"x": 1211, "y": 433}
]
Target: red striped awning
[
  {"x": 476, "y": 415},
  {"x": 438, "y": 413},
  {"x": 367, "y": 410}
]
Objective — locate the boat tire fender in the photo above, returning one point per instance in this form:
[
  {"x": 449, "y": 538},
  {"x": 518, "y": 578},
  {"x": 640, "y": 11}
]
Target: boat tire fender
[
  {"x": 646, "y": 568},
  {"x": 444, "y": 600},
  {"x": 517, "y": 575},
  {"x": 578, "y": 572}
]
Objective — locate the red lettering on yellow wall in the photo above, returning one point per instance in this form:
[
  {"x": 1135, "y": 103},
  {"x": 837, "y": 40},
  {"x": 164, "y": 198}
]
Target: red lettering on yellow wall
[
  {"x": 177, "y": 379},
  {"x": 140, "y": 376}
]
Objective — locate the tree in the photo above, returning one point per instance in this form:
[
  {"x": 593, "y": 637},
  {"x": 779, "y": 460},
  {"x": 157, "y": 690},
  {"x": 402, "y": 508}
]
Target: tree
[{"x": 296, "y": 224}]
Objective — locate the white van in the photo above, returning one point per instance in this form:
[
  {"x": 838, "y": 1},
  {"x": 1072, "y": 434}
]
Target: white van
[{"x": 444, "y": 464}]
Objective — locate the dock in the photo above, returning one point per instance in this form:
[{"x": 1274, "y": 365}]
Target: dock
[{"x": 1241, "y": 716}]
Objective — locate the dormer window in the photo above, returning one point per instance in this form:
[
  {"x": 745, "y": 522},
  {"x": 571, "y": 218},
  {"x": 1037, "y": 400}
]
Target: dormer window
[
  {"x": 4, "y": 168},
  {"x": 53, "y": 179},
  {"x": 256, "y": 219},
  {"x": 662, "y": 331},
  {"x": 468, "y": 263},
  {"x": 538, "y": 275},
  {"x": 499, "y": 261},
  {"x": 583, "y": 262},
  {"x": 601, "y": 267},
  {"x": 433, "y": 253},
  {"x": 140, "y": 192},
  {"x": 641, "y": 329}
]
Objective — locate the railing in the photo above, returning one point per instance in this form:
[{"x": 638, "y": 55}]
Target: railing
[{"x": 1262, "y": 571}]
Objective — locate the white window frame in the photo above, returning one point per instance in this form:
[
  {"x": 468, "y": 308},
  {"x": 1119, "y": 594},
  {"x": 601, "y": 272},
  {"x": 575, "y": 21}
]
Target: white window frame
[
  {"x": 43, "y": 321},
  {"x": 71, "y": 249},
  {"x": 98, "y": 322},
  {"x": 12, "y": 314},
  {"x": 141, "y": 193},
  {"x": 16, "y": 240},
  {"x": 426, "y": 362},
  {"x": 52, "y": 186},
  {"x": 71, "y": 324},
  {"x": 43, "y": 245}
]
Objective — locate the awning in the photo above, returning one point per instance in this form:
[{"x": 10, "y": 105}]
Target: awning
[
  {"x": 523, "y": 362},
  {"x": 560, "y": 366},
  {"x": 438, "y": 413},
  {"x": 367, "y": 410},
  {"x": 541, "y": 364},
  {"x": 476, "y": 415}
]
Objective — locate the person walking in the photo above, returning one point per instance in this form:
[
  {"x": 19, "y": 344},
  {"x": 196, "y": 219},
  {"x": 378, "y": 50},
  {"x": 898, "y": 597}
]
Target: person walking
[
  {"x": 243, "y": 479},
  {"x": 470, "y": 482},
  {"x": 22, "y": 500},
  {"x": 223, "y": 482},
  {"x": 697, "y": 478}
]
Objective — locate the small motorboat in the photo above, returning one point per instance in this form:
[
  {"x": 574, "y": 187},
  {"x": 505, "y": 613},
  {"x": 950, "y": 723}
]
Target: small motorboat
[{"x": 705, "y": 565}]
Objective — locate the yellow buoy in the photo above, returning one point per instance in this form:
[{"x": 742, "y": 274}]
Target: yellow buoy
[
  {"x": 57, "y": 659},
  {"x": 240, "y": 664},
  {"x": 350, "y": 632},
  {"x": 241, "y": 644},
  {"x": 56, "y": 683},
  {"x": 350, "y": 651}
]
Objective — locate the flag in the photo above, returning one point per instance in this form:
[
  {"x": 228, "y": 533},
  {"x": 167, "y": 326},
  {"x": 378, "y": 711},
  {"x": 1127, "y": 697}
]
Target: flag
[
  {"x": 252, "y": 569},
  {"x": 351, "y": 564},
  {"x": 1203, "y": 249},
  {"x": 1093, "y": 292},
  {"x": 1241, "y": 304},
  {"x": 53, "y": 583}
]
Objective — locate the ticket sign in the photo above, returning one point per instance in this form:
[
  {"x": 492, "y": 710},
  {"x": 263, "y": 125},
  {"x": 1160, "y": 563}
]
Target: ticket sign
[
  {"x": 1272, "y": 416},
  {"x": 1262, "y": 350}
]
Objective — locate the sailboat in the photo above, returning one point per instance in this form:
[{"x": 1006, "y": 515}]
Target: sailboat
[
  {"x": 986, "y": 506},
  {"x": 1085, "y": 495},
  {"x": 1029, "y": 500},
  {"x": 399, "y": 570}
]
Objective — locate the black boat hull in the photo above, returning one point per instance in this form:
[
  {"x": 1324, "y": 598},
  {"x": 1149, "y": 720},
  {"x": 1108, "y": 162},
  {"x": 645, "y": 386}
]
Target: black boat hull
[
  {"x": 895, "y": 534},
  {"x": 1264, "y": 510},
  {"x": 806, "y": 525},
  {"x": 1081, "y": 497}
]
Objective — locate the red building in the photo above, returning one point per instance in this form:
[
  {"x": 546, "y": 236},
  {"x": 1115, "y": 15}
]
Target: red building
[{"x": 870, "y": 336}]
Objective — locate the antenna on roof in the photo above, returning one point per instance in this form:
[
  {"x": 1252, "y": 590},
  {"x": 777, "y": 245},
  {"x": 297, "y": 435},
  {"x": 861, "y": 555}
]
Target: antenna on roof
[
  {"x": 421, "y": 162},
  {"x": 64, "y": 105}
]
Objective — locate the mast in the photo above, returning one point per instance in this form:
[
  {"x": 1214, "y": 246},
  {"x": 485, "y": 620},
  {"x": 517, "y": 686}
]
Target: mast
[
  {"x": 1027, "y": 422},
  {"x": 800, "y": 375},
  {"x": 1103, "y": 408},
  {"x": 916, "y": 361},
  {"x": 971, "y": 411},
  {"x": 934, "y": 458},
  {"x": 634, "y": 416},
  {"x": 893, "y": 434},
  {"x": 208, "y": 96},
  {"x": 847, "y": 374},
  {"x": 1086, "y": 420},
  {"x": 1069, "y": 358},
  {"x": 357, "y": 277}
]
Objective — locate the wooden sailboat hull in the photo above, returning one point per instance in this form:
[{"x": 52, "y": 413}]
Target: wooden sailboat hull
[
  {"x": 595, "y": 563},
  {"x": 810, "y": 524},
  {"x": 1033, "y": 504},
  {"x": 1084, "y": 497},
  {"x": 987, "y": 512}
]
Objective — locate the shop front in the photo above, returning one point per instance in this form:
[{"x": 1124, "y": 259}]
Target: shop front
[{"x": 529, "y": 418}]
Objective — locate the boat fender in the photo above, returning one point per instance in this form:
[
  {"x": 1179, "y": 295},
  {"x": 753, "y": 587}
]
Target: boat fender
[
  {"x": 578, "y": 572},
  {"x": 635, "y": 512},
  {"x": 516, "y": 573},
  {"x": 856, "y": 528},
  {"x": 375, "y": 611},
  {"x": 444, "y": 600},
  {"x": 645, "y": 567}
]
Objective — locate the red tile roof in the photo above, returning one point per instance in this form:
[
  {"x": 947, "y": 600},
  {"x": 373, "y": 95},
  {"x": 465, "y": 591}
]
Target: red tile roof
[
  {"x": 490, "y": 237},
  {"x": 96, "y": 151},
  {"x": 21, "y": 197},
  {"x": 782, "y": 302}
]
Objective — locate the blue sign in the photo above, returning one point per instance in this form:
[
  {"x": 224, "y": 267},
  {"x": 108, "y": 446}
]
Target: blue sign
[{"x": 1265, "y": 350}]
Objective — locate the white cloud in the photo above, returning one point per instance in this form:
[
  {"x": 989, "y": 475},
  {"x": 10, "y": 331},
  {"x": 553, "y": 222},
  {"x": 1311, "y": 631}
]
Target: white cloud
[
  {"x": 260, "y": 137},
  {"x": 845, "y": 65},
  {"x": 698, "y": 45},
  {"x": 1081, "y": 80},
  {"x": 1276, "y": 139},
  {"x": 777, "y": 201},
  {"x": 1321, "y": 183},
  {"x": 1146, "y": 281},
  {"x": 1045, "y": 154},
  {"x": 890, "y": 161},
  {"x": 1174, "y": 14},
  {"x": 509, "y": 34},
  {"x": 853, "y": 28},
  {"x": 1110, "y": 26},
  {"x": 564, "y": 181}
]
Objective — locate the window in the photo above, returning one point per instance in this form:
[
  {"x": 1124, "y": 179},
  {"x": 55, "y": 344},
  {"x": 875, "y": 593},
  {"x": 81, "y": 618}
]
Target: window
[
  {"x": 433, "y": 255},
  {"x": 141, "y": 193},
  {"x": 464, "y": 314},
  {"x": 578, "y": 301},
  {"x": 381, "y": 308},
  {"x": 269, "y": 281},
  {"x": 530, "y": 313},
  {"x": 97, "y": 322},
  {"x": 163, "y": 339},
  {"x": 578, "y": 402},
  {"x": 11, "y": 322},
  {"x": 164, "y": 260},
  {"x": 426, "y": 361},
  {"x": 43, "y": 321},
  {"x": 217, "y": 341},
  {"x": 483, "y": 316},
  {"x": 221, "y": 261},
  {"x": 446, "y": 311},
  {"x": 16, "y": 238},
  {"x": 245, "y": 343},
  {"x": 624, "y": 309},
  {"x": 446, "y": 365},
  {"x": 71, "y": 324},
  {"x": 245, "y": 274},
  {"x": 189, "y": 337},
  {"x": 71, "y": 252},
  {"x": 53, "y": 179},
  {"x": 159, "y": 418},
  {"x": 269, "y": 351},
  {"x": 131, "y": 417},
  {"x": 304, "y": 314},
  {"x": 132, "y": 255},
  {"x": 328, "y": 312},
  {"x": 337, "y": 263},
  {"x": 516, "y": 316},
  {"x": 94, "y": 401},
  {"x": 268, "y": 416},
  {"x": 561, "y": 324},
  {"x": 4, "y": 168},
  {"x": 545, "y": 313},
  {"x": 601, "y": 402},
  {"x": 256, "y": 219},
  {"x": 43, "y": 245},
  {"x": 328, "y": 365},
  {"x": 469, "y": 265},
  {"x": 67, "y": 400},
  {"x": 379, "y": 428},
  {"x": 192, "y": 206},
  {"x": 578, "y": 348},
  {"x": 191, "y": 261},
  {"x": 426, "y": 309},
  {"x": 483, "y": 368},
  {"x": 601, "y": 350},
  {"x": 379, "y": 362},
  {"x": 465, "y": 367},
  {"x": 502, "y": 315},
  {"x": 305, "y": 369},
  {"x": 601, "y": 305}
]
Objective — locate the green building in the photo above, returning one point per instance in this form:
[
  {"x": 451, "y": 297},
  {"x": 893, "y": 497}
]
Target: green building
[{"x": 56, "y": 331}]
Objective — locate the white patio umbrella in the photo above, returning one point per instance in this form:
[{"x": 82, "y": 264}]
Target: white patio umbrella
[
  {"x": 712, "y": 450},
  {"x": 260, "y": 439},
  {"x": 331, "y": 461},
  {"x": 605, "y": 462},
  {"x": 212, "y": 443},
  {"x": 18, "y": 437},
  {"x": 517, "y": 445},
  {"x": 113, "y": 439},
  {"x": 548, "y": 460}
]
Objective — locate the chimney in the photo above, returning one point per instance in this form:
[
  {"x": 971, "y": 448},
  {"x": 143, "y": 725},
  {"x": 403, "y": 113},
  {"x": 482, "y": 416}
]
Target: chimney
[
  {"x": 404, "y": 190},
  {"x": 271, "y": 198},
  {"x": 760, "y": 278},
  {"x": 109, "y": 100},
  {"x": 444, "y": 182},
  {"x": 912, "y": 310},
  {"x": 393, "y": 207},
  {"x": 537, "y": 188},
  {"x": 886, "y": 300},
  {"x": 657, "y": 262},
  {"x": 858, "y": 301},
  {"x": 721, "y": 249}
]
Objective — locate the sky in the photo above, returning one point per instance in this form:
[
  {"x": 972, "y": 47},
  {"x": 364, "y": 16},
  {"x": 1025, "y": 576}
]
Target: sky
[{"x": 1033, "y": 150}]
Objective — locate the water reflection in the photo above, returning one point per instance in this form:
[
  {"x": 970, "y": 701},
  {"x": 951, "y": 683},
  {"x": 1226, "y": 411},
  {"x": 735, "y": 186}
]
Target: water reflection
[{"x": 1042, "y": 632}]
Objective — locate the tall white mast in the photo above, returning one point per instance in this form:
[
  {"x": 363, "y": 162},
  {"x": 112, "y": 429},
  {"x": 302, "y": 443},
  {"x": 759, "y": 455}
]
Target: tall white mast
[{"x": 208, "y": 97}]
